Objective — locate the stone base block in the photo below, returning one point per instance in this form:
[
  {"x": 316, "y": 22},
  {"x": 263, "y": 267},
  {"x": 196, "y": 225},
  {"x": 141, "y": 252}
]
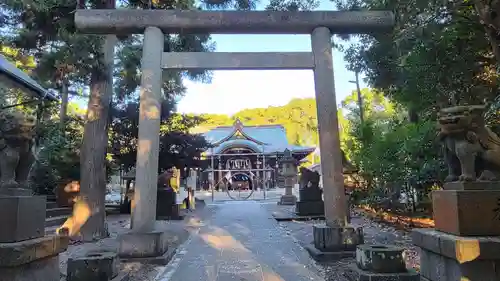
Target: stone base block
[
  {"x": 45, "y": 269},
  {"x": 447, "y": 257},
  {"x": 310, "y": 194},
  {"x": 354, "y": 273},
  {"x": 159, "y": 260},
  {"x": 23, "y": 218},
  {"x": 16, "y": 192},
  {"x": 97, "y": 266},
  {"x": 327, "y": 256},
  {"x": 20, "y": 253},
  {"x": 331, "y": 239},
  {"x": 173, "y": 214},
  {"x": 472, "y": 185},
  {"x": 166, "y": 198},
  {"x": 142, "y": 245},
  {"x": 288, "y": 200},
  {"x": 380, "y": 258},
  {"x": 467, "y": 212},
  {"x": 310, "y": 208},
  {"x": 32, "y": 260}
]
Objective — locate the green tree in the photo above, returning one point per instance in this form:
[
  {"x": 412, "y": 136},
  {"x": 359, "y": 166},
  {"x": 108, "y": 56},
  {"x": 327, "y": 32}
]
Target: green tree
[
  {"x": 178, "y": 147},
  {"x": 437, "y": 55}
]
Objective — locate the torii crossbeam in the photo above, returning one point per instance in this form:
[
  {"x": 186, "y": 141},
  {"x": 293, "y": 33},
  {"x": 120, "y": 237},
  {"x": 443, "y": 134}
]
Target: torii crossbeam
[{"x": 126, "y": 21}]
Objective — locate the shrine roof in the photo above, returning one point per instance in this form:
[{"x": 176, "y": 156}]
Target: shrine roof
[
  {"x": 269, "y": 139},
  {"x": 21, "y": 78}
]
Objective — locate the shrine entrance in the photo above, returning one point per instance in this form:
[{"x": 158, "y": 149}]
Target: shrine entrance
[
  {"x": 250, "y": 184},
  {"x": 154, "y": 24}
]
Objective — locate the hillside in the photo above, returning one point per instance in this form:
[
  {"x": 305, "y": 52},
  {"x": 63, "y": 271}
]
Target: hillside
[{"x": 298, "y": 117}]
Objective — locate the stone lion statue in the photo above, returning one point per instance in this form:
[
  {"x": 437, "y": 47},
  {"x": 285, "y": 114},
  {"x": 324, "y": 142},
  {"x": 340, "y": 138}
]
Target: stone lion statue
[
  {"x": 17, "y": 132},
  {"x": 308, "y": 178},
  {"x": 472, "y": 150}
]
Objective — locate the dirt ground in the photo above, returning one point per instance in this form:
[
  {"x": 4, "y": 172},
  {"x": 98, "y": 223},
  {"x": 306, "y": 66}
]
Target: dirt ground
[
  {"x": 301, "y": 231},
  {"x": 375, "y": 233},
  {"x": 118, "y": 224}
]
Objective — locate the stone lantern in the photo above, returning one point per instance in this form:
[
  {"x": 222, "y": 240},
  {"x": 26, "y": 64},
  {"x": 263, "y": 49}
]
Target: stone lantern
[{"x": 289, "y": 172}]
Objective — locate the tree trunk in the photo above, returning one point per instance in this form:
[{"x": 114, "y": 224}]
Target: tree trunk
[
  {"x": 95, "y": 143},
  {"x": 63, "y": 112},
  {"x": 489, "y": 15},
  {"x": 413, "y": 115}
]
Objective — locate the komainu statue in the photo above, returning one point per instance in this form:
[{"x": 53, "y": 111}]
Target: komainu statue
[
  {"x": 308, "y": 178},
  {"x": 17, "y": 132},
  {"x": 472, "y": 150}
]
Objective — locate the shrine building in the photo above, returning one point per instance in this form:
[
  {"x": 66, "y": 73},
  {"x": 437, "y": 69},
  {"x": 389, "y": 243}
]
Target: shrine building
[{"x": 254, "y": 151}]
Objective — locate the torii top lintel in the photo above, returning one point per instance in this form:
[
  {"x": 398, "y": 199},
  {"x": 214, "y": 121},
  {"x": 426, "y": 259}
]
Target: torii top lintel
[{"x": 128, "y": 21}]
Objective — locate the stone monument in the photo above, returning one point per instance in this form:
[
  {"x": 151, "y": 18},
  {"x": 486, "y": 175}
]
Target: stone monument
[
  {"x": 464, "y": 244},
  {"x": 25, "y": 252},
  {"x": 310, "y": 194},
  {"x": 289, "y": 168}
]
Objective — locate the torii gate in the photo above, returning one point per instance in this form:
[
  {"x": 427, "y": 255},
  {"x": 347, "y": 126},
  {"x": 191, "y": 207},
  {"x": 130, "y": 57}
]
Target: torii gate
[{"x": 155, "y": 23}]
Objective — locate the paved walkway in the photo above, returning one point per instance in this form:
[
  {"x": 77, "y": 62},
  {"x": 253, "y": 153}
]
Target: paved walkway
[{"x": 241, "y": 242}]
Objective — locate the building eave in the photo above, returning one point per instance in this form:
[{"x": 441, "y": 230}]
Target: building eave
[
  {"x": 237, "y": 128},
  {"x": 19, "y": 79}
]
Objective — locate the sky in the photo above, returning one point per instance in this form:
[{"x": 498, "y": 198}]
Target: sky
[{"x": 232, "y": 91}]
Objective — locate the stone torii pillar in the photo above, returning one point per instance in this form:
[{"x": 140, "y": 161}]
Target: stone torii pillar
[
  {"x": 333, "y": 236},
  {"x": 336, "y": 238}
]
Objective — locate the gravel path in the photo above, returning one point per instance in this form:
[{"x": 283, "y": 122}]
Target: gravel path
[
  {"x": 258, "y": 241},
  {"x": 241, "y": 241}
]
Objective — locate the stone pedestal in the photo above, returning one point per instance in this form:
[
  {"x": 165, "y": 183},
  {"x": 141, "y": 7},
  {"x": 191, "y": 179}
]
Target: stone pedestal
[
  {"x": 25, "y": 253},
  {"x": 166, "y": 205},
  {"x": 467, "y": 212},
  {"x": 463, "y": 246},
  {"x": 310, "y": 208},
  {"x": 288, "y": 199},
  {"x": 448, "y": 257},
  {"x": 148, "y": 247},
  {"x": 310, "y": 202},
  {"x": 380, "y": 263},
  {"x": 332, "y": 243},
  {"x": 23, "y": 218},
  {"x": 95, "y": 266}
]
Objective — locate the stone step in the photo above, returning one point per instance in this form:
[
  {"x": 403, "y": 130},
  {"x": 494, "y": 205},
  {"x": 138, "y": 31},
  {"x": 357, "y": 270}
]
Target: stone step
[
  {"x": 51, "y": 205},
  {"x": 55, "y": 221},
  {"x": 51, "y": 230},
  {"x": 56, "y": 212}
]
